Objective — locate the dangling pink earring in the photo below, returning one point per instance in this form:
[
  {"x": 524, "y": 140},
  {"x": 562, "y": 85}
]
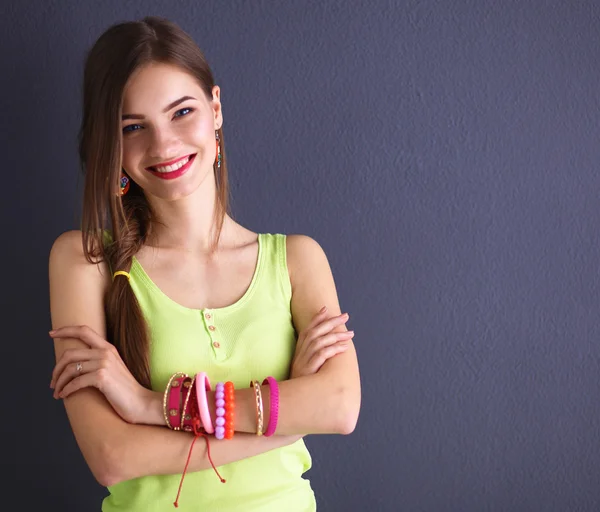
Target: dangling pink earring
[
  {"x": 124, "y": 183},
  {"x": 218, "y": 156}
]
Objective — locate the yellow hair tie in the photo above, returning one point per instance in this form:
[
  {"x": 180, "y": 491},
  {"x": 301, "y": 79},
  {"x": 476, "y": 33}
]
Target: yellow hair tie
[{"x": 123, "y": 273}]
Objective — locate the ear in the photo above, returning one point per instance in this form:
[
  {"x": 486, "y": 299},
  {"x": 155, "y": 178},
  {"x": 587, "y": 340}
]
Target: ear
[{"x": 216, "y": 105}]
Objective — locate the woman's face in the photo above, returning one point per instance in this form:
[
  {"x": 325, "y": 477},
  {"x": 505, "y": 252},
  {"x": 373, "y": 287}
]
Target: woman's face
[{"x": 168, "y": 121}]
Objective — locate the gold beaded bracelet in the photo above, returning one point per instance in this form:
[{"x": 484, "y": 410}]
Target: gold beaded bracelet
[
  {"x": 166, "y": 395},
  {"x": 259, "y": 407}
]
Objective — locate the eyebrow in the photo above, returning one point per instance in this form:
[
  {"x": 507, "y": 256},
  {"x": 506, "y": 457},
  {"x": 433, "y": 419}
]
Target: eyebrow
[{"x": 165, "y": 110}]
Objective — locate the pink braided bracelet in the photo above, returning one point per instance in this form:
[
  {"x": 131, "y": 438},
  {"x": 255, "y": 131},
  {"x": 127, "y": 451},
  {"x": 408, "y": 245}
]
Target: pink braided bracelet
[{"x": 274, "y": 406}]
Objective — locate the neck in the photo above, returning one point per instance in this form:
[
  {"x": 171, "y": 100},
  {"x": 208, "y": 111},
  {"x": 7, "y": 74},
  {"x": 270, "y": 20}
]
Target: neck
[{"x": 188, "y": 223}]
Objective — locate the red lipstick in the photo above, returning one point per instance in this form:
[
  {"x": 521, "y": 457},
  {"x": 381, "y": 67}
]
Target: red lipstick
[{"x": 173, "y": 174}]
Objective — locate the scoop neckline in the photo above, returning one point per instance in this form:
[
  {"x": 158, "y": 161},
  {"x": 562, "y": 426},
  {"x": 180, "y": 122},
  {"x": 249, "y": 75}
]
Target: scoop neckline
[{"x": 137, "y": 268}]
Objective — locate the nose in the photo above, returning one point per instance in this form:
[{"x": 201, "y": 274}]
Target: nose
[{"x": 164, "y": 144}]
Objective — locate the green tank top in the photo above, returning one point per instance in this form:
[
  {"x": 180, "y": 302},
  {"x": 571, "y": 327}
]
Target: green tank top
[{"x": 247, "y": 340}]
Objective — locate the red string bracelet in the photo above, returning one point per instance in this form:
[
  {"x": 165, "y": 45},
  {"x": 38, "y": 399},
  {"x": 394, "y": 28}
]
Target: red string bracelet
[{"x": 196, "y": 425}]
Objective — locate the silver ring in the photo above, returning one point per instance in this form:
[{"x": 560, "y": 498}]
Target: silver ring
[{"x": 78, "y": 367}]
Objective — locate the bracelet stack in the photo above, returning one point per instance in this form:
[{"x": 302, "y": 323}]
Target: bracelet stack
[{"x": 185, "y": 407}]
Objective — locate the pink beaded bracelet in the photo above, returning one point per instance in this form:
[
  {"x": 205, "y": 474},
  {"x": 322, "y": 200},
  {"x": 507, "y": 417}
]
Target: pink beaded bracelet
[{"x": 274, "y": 407}]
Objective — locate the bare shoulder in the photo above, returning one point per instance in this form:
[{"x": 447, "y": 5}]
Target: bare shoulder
[
  {"x": 67, "y": 252},
  {"x": 67, "y": 249},
  {"x": 68, "y": 245},
  {"x": 305, "y": 257},
  {"x": 302, "y": 242},
  {"x": 66, "y": 240}
]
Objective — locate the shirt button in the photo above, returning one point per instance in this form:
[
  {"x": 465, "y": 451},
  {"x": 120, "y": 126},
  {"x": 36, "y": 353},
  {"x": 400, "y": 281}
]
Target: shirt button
[
  {"x": 216, "y": 344},
  {"x": 211, "y": 327},
  {"x": 208, "y": 316}
]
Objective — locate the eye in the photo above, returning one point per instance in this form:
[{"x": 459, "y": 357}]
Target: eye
[
  {"x": 184, "y": 112},
  {"x": 131, "y": 128}
]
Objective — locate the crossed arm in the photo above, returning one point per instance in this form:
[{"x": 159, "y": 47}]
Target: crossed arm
[{"x": 325, "y": 402}]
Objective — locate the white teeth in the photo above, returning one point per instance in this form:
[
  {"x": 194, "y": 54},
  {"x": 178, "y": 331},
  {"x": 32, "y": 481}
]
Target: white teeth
[{"x": 174, "y": 167}]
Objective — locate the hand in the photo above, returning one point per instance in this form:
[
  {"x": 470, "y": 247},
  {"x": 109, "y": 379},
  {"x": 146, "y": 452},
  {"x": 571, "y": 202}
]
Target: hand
[
  {"x": 316, "y": 343},
  {"x": 100, "y": 366}
]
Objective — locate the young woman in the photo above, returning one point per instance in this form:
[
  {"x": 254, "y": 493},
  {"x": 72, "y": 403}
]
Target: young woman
[{"x": 162, "y": 280}]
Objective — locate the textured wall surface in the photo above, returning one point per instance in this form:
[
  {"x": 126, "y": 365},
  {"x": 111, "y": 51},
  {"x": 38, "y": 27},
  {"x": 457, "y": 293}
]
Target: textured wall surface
[{"x": 445, "y": 155}]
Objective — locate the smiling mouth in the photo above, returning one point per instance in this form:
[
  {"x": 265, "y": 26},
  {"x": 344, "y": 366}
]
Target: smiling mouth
[{"x": 173, "y": 166}]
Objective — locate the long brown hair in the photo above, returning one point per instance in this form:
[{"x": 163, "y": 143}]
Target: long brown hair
[{"x": 120, "y": 51}]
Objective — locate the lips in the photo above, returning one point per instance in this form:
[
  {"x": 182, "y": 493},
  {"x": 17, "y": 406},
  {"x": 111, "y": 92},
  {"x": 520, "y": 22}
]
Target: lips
[
  {"x": 171, "y": 175},
  {"x": 166, "y": 164}
]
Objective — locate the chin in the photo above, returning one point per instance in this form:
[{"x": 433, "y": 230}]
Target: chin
[{"x": 180, "y": 189}]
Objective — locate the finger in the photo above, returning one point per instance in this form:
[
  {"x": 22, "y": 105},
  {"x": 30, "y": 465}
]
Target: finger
[
  {"x": 85, "y": 381},
  {"x": 327, "y": 325},
  {"x": 323, "y": 355},
  {"x": 329, "y": 339},
  {"x": 71, "y": 373},
  {"x": 82, "y": 332},
  {"x": 73, "y": 355},
  {"x": 318, "y": 327},
  {"x": 319, "y": 317}
]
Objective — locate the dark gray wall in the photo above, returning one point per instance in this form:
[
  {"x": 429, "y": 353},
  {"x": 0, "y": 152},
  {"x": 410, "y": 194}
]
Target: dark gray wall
[{"x": 445, "y": 155}]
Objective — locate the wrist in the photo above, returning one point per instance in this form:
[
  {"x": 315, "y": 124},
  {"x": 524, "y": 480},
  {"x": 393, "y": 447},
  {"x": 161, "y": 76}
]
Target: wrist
[{"x": 152, "y": 409}]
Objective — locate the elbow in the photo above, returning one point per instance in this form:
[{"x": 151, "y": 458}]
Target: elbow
[
  {"x": 108, "y": 479},
  {"x": 349, "y": 412},
  {"x": 109, "y": 471},
  {"x": 348, "y": 423},
  {"x": 103, "y": 478},
  {"x": 98, "y": 462},
  {"x": 348, "y": 427},
  {"x": 101, "y": 473}
]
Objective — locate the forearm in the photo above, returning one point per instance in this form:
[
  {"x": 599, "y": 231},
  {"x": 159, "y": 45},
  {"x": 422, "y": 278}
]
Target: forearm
[
  {"x": 307, "y": 405},
  {"x": 142, "y": 450},
  {"x": 327, "y": 402},
  {"x": 321, "y": 403}
]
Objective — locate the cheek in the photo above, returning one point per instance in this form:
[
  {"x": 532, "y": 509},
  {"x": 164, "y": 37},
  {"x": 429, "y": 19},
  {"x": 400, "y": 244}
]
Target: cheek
[
  {"x": 131, "y": 154},
  {"x": 198, "y": 130}
]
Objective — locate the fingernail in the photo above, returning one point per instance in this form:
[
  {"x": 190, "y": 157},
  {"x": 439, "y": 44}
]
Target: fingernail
[
  {"x": 323, "y": 309},
  {"x": 52, "y": 331}
]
